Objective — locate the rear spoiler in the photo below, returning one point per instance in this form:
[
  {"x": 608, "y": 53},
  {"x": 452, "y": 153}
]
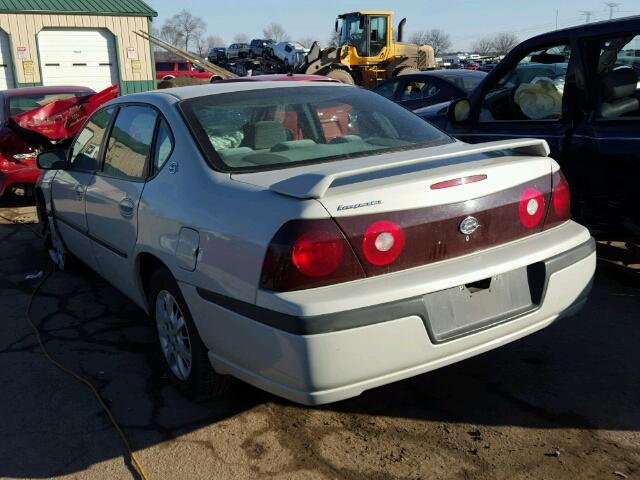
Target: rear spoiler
[{"x": 316, "y": 184}]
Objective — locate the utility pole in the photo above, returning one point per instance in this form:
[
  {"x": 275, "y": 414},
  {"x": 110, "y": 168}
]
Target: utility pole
[
  {"x": 611, "y": 6},
  {"x": 587, "y": 14},
  {"x": 556, "y": 18}
]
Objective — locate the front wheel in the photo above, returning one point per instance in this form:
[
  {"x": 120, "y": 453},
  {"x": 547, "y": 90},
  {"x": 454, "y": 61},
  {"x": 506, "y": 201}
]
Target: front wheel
[
  {"x": 183, "y": 353},
  {"x": 341, "y": 75}
]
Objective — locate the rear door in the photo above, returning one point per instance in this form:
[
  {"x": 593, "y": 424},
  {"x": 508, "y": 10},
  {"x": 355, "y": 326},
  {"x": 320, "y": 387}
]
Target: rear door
[
  {"x": 517, "y": 103},
  {"x": 69, "y": 186},
  {"x": 604, "y": 163},
  {"x": 112, "y": 198}
]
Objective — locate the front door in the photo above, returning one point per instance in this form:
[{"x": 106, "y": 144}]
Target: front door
[
  {"x": 112, "y": 199},
  {"x": 528, "y": 99},
  {"x": 69, "y": 186}
]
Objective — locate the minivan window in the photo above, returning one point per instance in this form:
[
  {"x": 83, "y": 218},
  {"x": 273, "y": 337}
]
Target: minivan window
[
  {"x": 130, "y": 142},
  {"x": 276, "y": 127},
  {"x": 85, "y": 151}
]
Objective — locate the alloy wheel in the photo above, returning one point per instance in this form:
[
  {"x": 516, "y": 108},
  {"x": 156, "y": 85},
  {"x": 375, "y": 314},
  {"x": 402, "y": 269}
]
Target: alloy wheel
[{"x": 173, "y": 335}]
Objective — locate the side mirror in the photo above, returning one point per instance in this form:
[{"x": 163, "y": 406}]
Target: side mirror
[
  {"x": 52, "y": 160},
  {"x": 459, "y": 111}
]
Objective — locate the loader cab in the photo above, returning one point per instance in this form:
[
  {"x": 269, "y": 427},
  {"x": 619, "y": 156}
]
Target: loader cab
[{"x": 367, "y": 33}]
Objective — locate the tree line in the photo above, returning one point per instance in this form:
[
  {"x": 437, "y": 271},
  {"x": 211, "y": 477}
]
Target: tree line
[{"x": 186, "y": 31}]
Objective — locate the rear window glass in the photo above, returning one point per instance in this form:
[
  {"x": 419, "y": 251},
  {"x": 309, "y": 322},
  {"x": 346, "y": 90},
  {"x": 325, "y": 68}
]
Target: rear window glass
[
  {"x": 279, "y": 127},
  {"x": 26, "y": 103}
]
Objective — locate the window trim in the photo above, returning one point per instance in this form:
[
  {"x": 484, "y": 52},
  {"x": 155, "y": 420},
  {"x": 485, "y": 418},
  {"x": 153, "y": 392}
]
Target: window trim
[
  {"x": 153, "y": 171},
  {"x": 101, "y": 173}
]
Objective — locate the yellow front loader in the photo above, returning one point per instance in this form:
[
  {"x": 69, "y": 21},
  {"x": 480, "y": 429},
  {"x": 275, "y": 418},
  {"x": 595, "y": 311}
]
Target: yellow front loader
[{"x": 367, "y": 53}]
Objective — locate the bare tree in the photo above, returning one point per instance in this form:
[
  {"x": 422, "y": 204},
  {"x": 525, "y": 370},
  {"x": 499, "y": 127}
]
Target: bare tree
[
  {"x": 306, "y": 42},
  {"x": 184, "y": 28},
  {"x": 205, "y": 43},
  {"x": 169, "y": 34},
  {"x": 275, "y": 31},
  {"x": 504, "y": 42},
  {"x": 241, "y": 38},
  {"x": 483, "y": 46},
  {"x": 438, "y": 39}
]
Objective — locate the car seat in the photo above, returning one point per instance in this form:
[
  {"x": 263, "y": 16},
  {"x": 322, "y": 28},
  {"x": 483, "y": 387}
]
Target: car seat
[
  {"x": 618, "y": 93},
  {"x": 264, "y": 134}
]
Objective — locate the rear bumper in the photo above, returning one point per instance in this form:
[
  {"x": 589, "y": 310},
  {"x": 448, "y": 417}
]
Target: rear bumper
[{"x": 328, "y": 357}]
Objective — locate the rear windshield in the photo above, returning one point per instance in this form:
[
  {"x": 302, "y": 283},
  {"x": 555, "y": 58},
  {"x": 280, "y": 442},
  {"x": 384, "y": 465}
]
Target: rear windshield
[
  {"x": 26, "y": 103},
  {"x": 281, "y": 127}
]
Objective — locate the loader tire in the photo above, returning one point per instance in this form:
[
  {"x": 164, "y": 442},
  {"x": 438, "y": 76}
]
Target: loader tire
[{"x": 341, "y": 75}]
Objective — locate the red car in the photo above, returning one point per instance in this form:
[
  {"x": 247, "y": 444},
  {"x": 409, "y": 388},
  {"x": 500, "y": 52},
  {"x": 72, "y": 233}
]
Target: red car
[
  {"x": 171, "y": 70},
  {"x": 18, "y": 147}
]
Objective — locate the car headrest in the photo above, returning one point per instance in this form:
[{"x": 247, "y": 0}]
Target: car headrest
[
  {"x": 619, "y": 83},
  {"x": 266, "y": 134}
]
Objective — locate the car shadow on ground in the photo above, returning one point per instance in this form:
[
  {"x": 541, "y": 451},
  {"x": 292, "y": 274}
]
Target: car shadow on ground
[{"x": 579, "y": 373}]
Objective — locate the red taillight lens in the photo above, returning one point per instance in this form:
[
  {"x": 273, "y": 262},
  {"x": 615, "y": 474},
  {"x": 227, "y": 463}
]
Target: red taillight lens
[
  {"x": 318, "y": 253},
  {"x": 382, "y": 243},
  {"x": 531, "y": 207},
  {"x": 560, "y": 210},
  {"x": 307, "y": 254},
  {"x": 561, "y": 198}
]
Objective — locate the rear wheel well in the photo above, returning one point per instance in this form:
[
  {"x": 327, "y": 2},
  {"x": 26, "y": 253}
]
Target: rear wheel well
[{"x": 148, "y": 264}]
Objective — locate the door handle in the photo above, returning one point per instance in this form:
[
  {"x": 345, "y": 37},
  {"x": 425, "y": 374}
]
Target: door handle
[
  {"x": 126, "y": 207},
  {"x": 79, "y": 191}
]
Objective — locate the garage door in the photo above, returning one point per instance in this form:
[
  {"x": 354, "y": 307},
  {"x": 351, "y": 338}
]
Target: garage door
[
  {"x": 82, "y": 57},
  {"x": 6, "y": 73}
]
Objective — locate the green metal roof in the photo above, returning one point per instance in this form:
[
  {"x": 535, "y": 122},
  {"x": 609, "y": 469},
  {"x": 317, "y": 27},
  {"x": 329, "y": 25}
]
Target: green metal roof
[{"x": 136, "y": 8}]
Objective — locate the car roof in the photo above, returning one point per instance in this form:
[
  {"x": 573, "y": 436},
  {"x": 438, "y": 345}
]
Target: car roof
[
  {"x": 454, "y": 73},
  {"x": 280, "y": 77},
  {"x": 605, "y": 27},
  {"x": 184, "y": 93},
  {"x": 19, "y": 92}
]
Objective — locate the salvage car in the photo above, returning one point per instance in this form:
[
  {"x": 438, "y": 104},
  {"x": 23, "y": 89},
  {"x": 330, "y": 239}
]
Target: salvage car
[
  {"x": 292, "y": 54},
  {"x": 237, "y": 50},
  {"x": 313, "y": 257},
  {"x": 18, "y": 146},
  {"x": 421, "y": 89},
  {"x": 579, "y": 89}
]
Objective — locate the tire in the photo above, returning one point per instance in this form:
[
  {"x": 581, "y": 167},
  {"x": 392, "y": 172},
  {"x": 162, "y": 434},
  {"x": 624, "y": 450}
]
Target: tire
[
  {"x": 43, "y": 221},
  {"x": 406, "y": 71},
  {"x": 182, "y": 352},
  {"x": 341, "y": 75}
]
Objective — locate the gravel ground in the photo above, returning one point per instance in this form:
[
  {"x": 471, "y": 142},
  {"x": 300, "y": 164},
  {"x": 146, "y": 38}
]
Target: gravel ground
[{"x": 563, "y": 403}]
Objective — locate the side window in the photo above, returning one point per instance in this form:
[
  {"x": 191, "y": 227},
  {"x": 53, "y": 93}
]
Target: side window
[
  {"x": 532, "y": 90},
  {"x": 378, "y": 35},
  {"x": 85, "y": 151},
  {"x": 417, "y": 89},
  {"x": 163, "y": 146},
  {"x": 388, "y": 89},
  {"x": 619, "y": 78},
  {"x": 183, "y": 67},
  {"x": 130, "y": 143}
]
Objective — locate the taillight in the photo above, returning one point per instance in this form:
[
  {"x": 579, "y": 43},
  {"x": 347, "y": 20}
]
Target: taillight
[
  {"x": 307, "y": 254},
  {"x": 317, "y": 253},
  {"x": 560, "y": 210},
  {"x": 382, "y": 243},
  {"x": 531, "y": 207}
]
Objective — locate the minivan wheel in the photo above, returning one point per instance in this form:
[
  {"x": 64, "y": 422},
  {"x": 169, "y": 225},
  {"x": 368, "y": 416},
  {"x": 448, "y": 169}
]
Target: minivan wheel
[{"x": 184, "y": 355}]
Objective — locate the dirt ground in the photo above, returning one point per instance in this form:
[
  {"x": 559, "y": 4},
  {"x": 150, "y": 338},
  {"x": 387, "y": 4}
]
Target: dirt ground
[{"x": 561, "y": 404}]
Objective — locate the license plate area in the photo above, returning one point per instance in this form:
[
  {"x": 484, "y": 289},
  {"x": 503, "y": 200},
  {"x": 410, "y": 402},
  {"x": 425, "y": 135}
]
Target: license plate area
[{"x": 466, "y": 309}]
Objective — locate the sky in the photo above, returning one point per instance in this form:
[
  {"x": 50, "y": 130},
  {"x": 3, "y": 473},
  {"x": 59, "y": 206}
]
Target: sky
[{"x": 464, "y": 20}]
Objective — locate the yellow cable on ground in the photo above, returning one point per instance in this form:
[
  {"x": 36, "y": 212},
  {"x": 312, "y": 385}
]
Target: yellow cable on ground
[{"x": 134, "y": 459}]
